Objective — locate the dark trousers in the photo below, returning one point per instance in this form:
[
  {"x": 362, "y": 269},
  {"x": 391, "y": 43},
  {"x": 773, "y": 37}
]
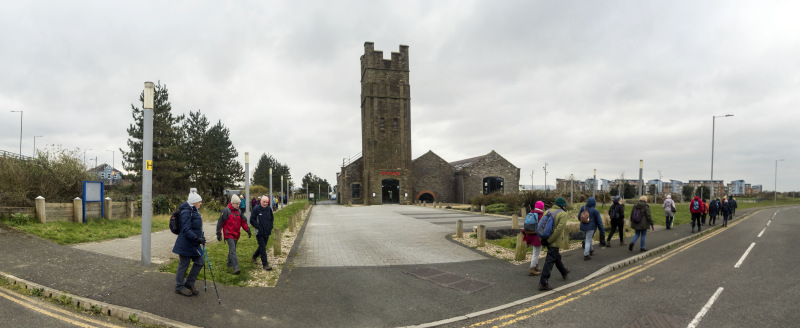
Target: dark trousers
[
  {"x": 712, "y": 219},
  {"x": 553, "y": 257},
  {"x": 183, "y": 265},
  {"x": 233, "y": 258},
  {"x": 696, "y": 221},
  {"x": 725, "y": 218},
  {"x": 614, "y": 227},
  {"x": 703, "y": 218},
  {"x": 669, "y": 219},
  {"x": 262, "y": 249}
]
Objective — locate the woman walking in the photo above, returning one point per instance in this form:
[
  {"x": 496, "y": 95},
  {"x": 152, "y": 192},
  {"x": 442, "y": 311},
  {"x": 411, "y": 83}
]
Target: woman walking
[
  {"x": 187, "y": 245},
  {"x": 640, "y": 221},
  {"x": 532, "y": 239},
  {"x": 726, "y": 211},
  {"x": 617, "y": 215},
  {"x": 589, "y": 227},
  {"x": 669, "y": 210}
]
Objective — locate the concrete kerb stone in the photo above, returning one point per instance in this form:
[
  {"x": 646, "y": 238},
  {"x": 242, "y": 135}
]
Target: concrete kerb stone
[
  {"x": 112, "y": 310},
  {"x": 603, "y": 270}
]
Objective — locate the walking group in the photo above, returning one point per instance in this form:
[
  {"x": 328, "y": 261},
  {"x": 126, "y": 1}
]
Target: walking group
[
  {"x": 699, "y": 210},
  {"x": 190, "y": 244}
]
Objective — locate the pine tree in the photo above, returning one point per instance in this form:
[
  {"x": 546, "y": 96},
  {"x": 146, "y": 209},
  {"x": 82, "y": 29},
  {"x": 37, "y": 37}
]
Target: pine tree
[
  {"x": 222, "y": 169},
  {"x": 261, "y": 173},
  {"x": 196, "y": 128}
]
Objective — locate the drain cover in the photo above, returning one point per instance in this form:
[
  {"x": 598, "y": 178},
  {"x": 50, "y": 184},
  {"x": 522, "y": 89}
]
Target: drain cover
[{"x": 450, "y": 280}]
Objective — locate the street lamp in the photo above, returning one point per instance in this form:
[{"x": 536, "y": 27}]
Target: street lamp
[
  {"x": 20, "y": 131},
  {"x": 247, "y": 181},
  {"x": 639, "y": 185},
  {"x": 148, "y": 96},
  {"x": 571, "y": 187},
  {"x": 34, "y": 144},
  {"x": 776, "y": 180},
  {"x": 713, "y": 126},
  {"x": 545, "y": 179}
]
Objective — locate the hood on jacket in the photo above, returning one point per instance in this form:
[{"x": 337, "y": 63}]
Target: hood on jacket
[
  {"x": 591, "y": 202},
  {"x": 539, "y": 207},
  {"x": 185, "y": 206},
  {"x": 233, "y": 207}
]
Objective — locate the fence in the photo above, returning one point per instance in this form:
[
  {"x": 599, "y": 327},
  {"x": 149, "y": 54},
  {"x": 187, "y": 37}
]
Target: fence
[{"x": 73, "y": 212}]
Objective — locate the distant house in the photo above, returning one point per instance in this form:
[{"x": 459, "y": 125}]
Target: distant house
[{"x": 107, "y": 174}]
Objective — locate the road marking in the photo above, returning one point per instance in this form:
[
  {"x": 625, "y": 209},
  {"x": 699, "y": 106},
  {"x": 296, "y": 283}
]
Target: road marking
[
  {"x": 69, "y": 317},
  {"x": 744, "y": 255},
  {"x": 705, "y": 308},
  {"x": 768, "y": 222},
  {"x": 762, "y": 232}
]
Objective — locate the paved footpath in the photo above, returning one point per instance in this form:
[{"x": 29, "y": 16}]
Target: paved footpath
[{"x": 403, "y": 272}]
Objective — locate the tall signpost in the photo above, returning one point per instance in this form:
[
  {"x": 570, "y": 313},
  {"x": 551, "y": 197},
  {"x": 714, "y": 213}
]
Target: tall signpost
[
  {"x": 641, "y": 166},
  {"x": 147, "y": 171},
  {"x": 247, "y": 181},
  {"x": 272, "y": 200}
]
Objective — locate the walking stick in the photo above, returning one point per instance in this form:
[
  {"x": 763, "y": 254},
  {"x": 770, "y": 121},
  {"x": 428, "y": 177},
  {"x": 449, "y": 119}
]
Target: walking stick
[
  {"x": 219, "y": 300},
  {"x": 205, "y": 283}
]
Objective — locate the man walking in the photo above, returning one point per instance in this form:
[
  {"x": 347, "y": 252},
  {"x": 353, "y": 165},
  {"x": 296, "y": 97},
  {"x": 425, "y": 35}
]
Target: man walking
[
  {"x": 229, "y": 225},
  {"x": 261, "y": 218},
  {"x": 557, "y": 240},
  {"x": 696, "y": 208},
  {"x": 732, "y": 205},
  {"x": 617, "y": 215}
]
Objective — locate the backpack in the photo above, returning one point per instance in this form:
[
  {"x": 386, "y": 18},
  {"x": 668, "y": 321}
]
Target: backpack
[
  {"x": 696, "y": 205},
  {"x": 613, "y": 213},
  {"x": 531, "y": 221},
  {"x": 585, "y": 216},
  {"x": 545, "y": 228},
  {"x": 636, "y": 215},
  {"x": 175, "y": 222}
]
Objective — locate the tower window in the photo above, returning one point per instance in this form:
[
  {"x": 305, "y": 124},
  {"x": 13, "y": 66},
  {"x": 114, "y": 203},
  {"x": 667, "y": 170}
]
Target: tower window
[
  {"x": 395, "y": 125},
  {"x": 383, "y": 125}
]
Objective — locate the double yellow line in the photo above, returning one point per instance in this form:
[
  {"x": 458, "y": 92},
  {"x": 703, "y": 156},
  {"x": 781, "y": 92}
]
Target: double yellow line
[
  {"x": 605, "y": 282},
  {"x": 54, "y": 311}
]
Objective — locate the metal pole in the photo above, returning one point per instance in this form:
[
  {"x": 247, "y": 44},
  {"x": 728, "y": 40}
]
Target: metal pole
[
  {"x": 531, "y": 180},
  {"x": 713, "y": 126},
  {"x": 594, "y": 183},
  {"x": 641, "y": 166},
  {"x": 147, "y": 171},
  {"x": 272, "y": 200},
  {"x": 247, "y": 181},
  {"x": 281, "y": 200},
  {"x": 571, "y": 187}
]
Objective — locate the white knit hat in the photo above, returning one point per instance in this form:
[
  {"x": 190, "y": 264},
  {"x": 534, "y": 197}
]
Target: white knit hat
[
  {"x": 235, "y": 199},
  {"x": 194, "y": 197}
]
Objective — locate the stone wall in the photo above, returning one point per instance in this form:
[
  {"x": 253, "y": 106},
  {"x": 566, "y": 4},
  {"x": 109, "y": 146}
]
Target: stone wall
[
  {"x": 491, "y": 165},
  {"x": 349, "y": 175},
  {"x": 64, "y": 211},
  {"x": 434, "y": 175}
]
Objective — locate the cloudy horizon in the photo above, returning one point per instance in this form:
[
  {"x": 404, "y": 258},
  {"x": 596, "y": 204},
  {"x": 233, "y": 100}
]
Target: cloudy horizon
[{"x": 579, "y": 87}]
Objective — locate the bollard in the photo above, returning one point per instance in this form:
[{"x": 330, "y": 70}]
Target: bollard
[
  {"x": 522, "y": 248},
  {"x": 41, "y": 214},
  {"x": 481, "y": 235},
  {"x": 515, "y": 221},
  {"x": 483, "y": 209},
  {"x": 107, "y": 208},
  {"x": 460, "y": 229},
  {"x": 522, "y": 212},
  {"x": 472, "y": 208},
  {"x": 276, "y": 242},
  {"x": 129, "y": 208},
  {"x": 77, "y": 209},
  {"x": 291, "y": 223}
]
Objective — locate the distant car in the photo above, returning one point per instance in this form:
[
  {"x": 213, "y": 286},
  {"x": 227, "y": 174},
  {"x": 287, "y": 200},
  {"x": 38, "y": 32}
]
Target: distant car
[{"x": 333, "y": 197}]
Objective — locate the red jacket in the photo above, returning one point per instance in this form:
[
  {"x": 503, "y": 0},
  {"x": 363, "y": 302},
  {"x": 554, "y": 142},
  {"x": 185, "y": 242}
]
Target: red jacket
[
  {"x": 691, "y": 205},
  {"x": 230, "y": 225}
]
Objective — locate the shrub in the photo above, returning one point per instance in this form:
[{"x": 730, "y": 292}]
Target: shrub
[
  {"x": 18, "y": 219},
  {"x": 57, "y": 175},
  {"x": 498, "y": 208}
]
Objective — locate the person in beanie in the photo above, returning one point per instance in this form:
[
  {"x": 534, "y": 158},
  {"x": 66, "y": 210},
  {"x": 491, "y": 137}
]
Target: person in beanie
[
  {"x": 589, "y": 228},
  {"x": 669, "y": 211},
  {"x": 187, "y": 245},
  {"x": 242, "y": 204},
  {"x": 229, "y": 224},
  {"x": 532, "y": 239},
  {"x": 261, "y": 218},
  {"x": 641, "y": 226},
  {"x": 696, "y": 208},
  {"x": 557, "y": 240},
  {"x": 617, "y": 215},
  {"x": 726, "y": 211}
]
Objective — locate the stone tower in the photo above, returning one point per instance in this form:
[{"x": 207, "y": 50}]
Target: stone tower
[{"x": 386, "y": 127}]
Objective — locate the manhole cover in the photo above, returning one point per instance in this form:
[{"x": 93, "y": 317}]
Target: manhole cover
[
  {"x": 656, "y": 320},
  {"x": 446, "y": 279},
  {"x": 470, "y": 285},
  {"x": 424, "y": 273}
]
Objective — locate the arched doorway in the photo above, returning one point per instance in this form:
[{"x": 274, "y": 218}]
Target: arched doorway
[
  {"x": 492, "y": 185},
  {"x": 426, "y": 197},
  {"x": 390, "y": 191}
]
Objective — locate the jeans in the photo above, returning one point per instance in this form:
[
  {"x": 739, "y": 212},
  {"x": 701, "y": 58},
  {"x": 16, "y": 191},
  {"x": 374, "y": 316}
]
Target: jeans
[
  {"x": 183, "y": 265},
  {"x": 262, "y": 249},
  {"x": 535, "y": 256},
  {"x": 724, "y": 219},
  {"x": 233, "y": 258},
  {"x": 642, "y": 233},
  {"x": 614, "y": 227},
  {"x": 553, "y": 258},
  {"x": 712, "y": 219},
  {"x": 587, "y": 243},
  {"x": 669, "y": 219},
  {"x": 696, "y": 221}
]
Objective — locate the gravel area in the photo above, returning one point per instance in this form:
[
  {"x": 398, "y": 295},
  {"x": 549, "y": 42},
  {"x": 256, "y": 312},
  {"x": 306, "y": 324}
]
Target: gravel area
[{"x": 262, "y": 278}]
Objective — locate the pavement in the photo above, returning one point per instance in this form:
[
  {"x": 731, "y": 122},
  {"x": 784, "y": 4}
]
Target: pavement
[{"x": 371, "y": 266}]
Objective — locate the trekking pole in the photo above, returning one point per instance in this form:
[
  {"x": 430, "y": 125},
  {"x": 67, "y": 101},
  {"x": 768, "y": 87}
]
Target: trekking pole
[
  {"x": 219, "y": 300},
  {"x": 205, "y": 283}
]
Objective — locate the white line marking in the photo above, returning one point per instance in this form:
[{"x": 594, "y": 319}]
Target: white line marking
[
  {"x": 762, "y": 232},
  {"x": 705, "y": 308},
  {"x": 768, "y": 222},
  {"x": 745, "y": 255}
]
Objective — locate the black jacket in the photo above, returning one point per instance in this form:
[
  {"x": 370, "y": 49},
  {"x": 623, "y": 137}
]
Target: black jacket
[
  {"x": 261, "y": 218},
  {"x": 620, "y": 209}
]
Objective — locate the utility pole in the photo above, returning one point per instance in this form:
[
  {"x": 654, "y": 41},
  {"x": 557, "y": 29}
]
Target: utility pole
[
  {"x": 147, "y": 170},
  {"x": 531, "y": 181},
  {"x": 641, "y": 166},
  {"x": 545, "y": 179},
  {"x": 247, "y": 181},
  {"x": 594, "y": 183}
]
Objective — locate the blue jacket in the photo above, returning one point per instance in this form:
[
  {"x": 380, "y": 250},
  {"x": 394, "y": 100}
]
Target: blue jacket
[
  {"x": 595, "y": 221},
  {"x": 261, "y": 218},
  {"x": 188, "y": 242}
]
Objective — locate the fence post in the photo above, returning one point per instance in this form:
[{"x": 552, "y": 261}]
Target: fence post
[
  {"x": 522, "y": 212},
  {"x": 129, "y": 208},
  {"x": 276, "y": 243},
  {"x": 481, "y": 235},
  {"x": 41, "y": 214},
  {"x": 107, "y": 209},
  {"x": 460, "y": 229},
  {"x": 483, "y": 209},
  {"x": 514, "y": 221},
  {"x": 522, "y": 248},
  {"x": 77, "y": 209},
  {"x": 291, "y": 223}
]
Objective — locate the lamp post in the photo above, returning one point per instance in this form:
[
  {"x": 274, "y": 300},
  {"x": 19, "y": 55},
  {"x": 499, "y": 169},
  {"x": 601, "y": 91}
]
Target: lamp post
[
  {"x": 594, "y": 183},
  {"x": 571, "y": 187},
  {"x": 272, "y": 200},
  {"x": 713, "y": 126},
  {"x": 776, "y": 180},
  {"x": 545, "y": 179},
  {"x": 641, "y": 167},
  {"x": 113, "y": 174},
  {"x": 34, "y": 144},
  {"x": 247, "y": 181},
  {"x": 147, "y": 170},
  {"x": 20, "y": 131},
  {"x": 531, "y": 181}
]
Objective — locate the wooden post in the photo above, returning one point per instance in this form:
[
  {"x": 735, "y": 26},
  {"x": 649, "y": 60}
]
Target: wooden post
[
  {"x": 129, "y": 208},
  {"x": 276, "y": 242},
  {"x": 107, "y": 208},
  {"x": 481, "y": 235},
  {"x": 291, "y": 223},
  {"x": 460, "y": 229},
  {"x": 77, "y": 209},
  {"x": 522, "y": 212},
  {"x": 483, "y": 209},
  {"x": 522, "y": 248},
  {"x": 515, "y": 221},
  {"x": 41, "y": 214}
]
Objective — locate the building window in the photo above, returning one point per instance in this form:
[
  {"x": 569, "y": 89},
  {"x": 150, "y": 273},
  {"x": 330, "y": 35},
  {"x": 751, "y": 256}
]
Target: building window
[
  {"x": 492, "y": 185},
  {"x": 356, "y": 190},
  {"x": 383, "y": 125},
  {"x": 395, "y": 125}
]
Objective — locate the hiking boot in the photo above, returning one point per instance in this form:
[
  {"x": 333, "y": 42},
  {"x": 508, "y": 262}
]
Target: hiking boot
[
  {"x": 643, "y": 250},
  {"x": 566, "y": 274},
  {"x": 534, "y": 271},
  {"x": 630, "y": 247},
  {"x": 192, "y": 289},
  {"x": 184, "y": 292},
  {"x": 587, "y": 257},
  {"x": 621, "y": 243},
  {"x": 698, "y": 229},
  {"x": 237, "y": 271},
  {"x": 254, "y": 260},
  {"x": 545, "y": 287},
  {"x": 267, "y": 267},
  {"x": 591, "y": 253}
]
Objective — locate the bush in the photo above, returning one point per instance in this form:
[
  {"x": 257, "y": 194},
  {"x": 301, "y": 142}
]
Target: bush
[
  {"x": 56, "y": 175},
  {"x": 499, "y": 208},
  {"x": 18, "y": 219},
  {"x": 258, "y": 190}
]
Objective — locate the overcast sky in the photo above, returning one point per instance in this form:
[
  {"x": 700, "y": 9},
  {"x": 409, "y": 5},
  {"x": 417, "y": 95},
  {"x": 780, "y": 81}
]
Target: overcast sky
[{"x": 579, "y": 85}]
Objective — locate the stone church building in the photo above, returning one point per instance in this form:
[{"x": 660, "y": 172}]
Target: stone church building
[{"x": 385, "y": 173}]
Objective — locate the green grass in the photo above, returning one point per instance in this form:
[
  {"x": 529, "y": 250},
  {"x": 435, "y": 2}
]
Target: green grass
[{"x": 218, "y": 252}]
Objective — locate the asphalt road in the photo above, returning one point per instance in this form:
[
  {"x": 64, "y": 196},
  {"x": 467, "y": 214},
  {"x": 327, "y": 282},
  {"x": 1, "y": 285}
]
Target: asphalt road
[
  {"x": 17, "y": 310},
  {"x": 672, "y": 288}
]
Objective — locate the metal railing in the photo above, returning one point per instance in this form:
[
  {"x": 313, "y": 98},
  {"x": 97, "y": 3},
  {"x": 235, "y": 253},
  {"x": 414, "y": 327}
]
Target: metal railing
[{"x": 8, "y": 154}]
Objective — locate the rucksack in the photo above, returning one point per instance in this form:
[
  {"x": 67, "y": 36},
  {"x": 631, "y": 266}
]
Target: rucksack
[
  {"x": 531, "y": 221},
  {"x": 175, "y": 222},
  {"x": 613, "y": 213},
  {"x": 636, "y": 215},
  {"x": 696, "y": 205},
  {"x": 545, "y": 228},
  {"x": 584, "y": 216}
]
